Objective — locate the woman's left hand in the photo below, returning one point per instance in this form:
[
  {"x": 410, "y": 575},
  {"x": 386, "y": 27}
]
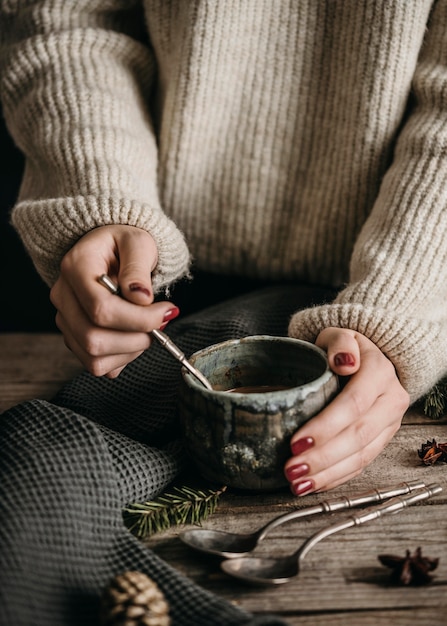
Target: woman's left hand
[{"x": 355, "y": 427}]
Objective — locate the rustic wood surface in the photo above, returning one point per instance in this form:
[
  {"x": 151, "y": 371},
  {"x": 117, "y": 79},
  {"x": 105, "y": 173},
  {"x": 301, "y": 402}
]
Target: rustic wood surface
[
  {"x": 341, "y": 581},
  {"x": 33, "y": 366}
]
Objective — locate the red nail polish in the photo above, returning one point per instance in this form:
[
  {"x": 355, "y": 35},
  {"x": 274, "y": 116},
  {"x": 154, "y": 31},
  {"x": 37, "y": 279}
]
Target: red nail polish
[
  {"x": 296, "y": 471},
  {"x": 171, "y": 314},
  {"x": 140, "y": 288},
  {"x": 301, "y": 445},
  {"x": 303, "y": 487},
  {"x": 344, "y": 358}
]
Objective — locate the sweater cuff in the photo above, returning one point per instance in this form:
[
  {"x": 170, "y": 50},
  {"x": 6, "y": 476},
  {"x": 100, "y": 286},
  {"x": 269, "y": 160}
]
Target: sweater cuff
[
  {"x": 49, "y": 228},
  {"x": 417, "y": 349}
]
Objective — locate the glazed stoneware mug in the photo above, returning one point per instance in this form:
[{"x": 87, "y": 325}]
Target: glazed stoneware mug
[{"x": 264, "y": 389}]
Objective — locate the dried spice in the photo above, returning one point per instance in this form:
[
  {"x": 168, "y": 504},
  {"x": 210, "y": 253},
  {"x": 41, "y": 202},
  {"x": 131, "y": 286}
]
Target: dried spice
[
  {"x": 432, "y": 452},
  {"x": 411, "y": 569}
]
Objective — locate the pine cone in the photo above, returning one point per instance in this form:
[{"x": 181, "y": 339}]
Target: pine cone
[{"x": 133, "y": 599}]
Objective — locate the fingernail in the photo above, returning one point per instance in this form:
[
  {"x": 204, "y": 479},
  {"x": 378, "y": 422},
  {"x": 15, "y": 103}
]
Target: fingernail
[
  {"x": 303, "y": 487},
  {"x": 171, "y": 314},
  {"x": 140, "y": 288},
  {"x": 296, "y": 471},
  {"x": 344, "y": 358},
  {"x": 301, "y": 445}
]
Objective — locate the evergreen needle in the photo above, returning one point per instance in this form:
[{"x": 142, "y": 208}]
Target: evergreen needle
[
  {"x": 181, "y": 505},
  {"x": 435, "y": 402},
  {"x": 186, "y": 505}
]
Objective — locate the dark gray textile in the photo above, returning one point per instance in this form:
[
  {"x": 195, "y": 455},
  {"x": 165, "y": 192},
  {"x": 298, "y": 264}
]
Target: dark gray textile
[{"x": 68, "y": 467}]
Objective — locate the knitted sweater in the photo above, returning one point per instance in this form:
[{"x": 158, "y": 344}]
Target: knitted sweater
[{"x": 284, "y": 139}]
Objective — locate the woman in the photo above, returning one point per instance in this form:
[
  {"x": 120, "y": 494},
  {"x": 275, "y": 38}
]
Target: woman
[{"x": 277, "y": 141}]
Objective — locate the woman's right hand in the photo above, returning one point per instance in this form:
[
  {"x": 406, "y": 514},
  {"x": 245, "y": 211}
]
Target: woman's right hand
[{"x": 104, "y": 331}]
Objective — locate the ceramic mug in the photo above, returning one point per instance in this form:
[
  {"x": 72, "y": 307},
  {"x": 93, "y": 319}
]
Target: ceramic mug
[{"x": 264, "y": 389}]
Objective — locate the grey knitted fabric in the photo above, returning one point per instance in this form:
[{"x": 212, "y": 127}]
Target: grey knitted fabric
[{"x": 69, "y": 466}]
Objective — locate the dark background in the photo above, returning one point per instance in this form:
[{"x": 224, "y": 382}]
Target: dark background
[{"x": 24, "y": 297}]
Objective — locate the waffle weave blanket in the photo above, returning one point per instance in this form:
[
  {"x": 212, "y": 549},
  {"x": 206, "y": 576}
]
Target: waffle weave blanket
[{"x": 69, "y": 466}]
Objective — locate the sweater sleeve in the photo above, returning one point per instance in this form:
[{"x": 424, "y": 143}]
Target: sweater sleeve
[
  {"x": 75, "y": 79},
  {"x": 397, "y": 292}
]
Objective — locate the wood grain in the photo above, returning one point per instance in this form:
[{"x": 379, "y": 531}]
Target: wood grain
[
  {"x": 341, "y": 581},
  {"x": 33, "y": 366}
]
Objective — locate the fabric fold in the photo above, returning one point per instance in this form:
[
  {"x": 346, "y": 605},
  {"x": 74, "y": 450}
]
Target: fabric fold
[{"x": 68, "y": 467}]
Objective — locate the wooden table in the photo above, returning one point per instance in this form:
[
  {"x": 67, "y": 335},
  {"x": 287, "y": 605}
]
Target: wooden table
[{"x": 341, "y": 580}]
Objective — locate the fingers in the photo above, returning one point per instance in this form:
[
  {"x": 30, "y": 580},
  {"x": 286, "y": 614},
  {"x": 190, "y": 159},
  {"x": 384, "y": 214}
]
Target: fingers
[
  {"x": 105, "y": 331},
  {"x": 116, "y": 335},
  {"x": 343, "y": 471},
  {"x": 104, "y": 310},
  {"x": 127, "y": 254},
  {"x": 101, "y": 351},
  {"x": 353, "y": 429},
  {"x": 345, "y": 455}
]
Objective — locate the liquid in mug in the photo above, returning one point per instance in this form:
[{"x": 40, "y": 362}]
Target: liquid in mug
[{"x": 258, "y": 389}]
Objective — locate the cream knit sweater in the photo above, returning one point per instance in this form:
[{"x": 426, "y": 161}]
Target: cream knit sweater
[{"x": 282, "y": 139}]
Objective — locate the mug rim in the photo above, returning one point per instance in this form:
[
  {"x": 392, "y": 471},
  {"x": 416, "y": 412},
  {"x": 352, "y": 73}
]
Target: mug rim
[{"x": 191, "y": 381}]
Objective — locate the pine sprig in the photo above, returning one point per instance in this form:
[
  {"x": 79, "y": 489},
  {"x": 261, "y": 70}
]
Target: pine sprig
[
  {"x": 182, "y": 505},
  {"x": 186, "y": 505},
  {"x": 434, "y": 404}
]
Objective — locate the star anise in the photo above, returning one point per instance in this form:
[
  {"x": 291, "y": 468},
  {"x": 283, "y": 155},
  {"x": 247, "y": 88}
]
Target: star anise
[
  {"x": 410, "y": 569},
  {"x": 432, "y": 452}
]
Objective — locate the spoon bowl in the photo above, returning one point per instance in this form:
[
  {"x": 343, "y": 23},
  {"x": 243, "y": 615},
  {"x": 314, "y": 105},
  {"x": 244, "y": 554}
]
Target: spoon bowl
[
  {"x": 274, "y": 571},
  {"x": 219, "y": 542},
  {"x": 263, "y": 571},
  {"x": 232, "y": 545}
]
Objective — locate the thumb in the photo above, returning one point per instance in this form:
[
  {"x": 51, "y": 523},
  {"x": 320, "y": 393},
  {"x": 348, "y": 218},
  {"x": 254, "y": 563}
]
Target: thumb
[
  {"x": 136, "y": 286},
  {"x": 343, "y": 351},
  {"x": 137, "y": 259}
]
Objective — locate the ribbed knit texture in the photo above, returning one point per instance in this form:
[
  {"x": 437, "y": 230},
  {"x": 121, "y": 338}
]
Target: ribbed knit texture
[{"x": 280, "y": 139}]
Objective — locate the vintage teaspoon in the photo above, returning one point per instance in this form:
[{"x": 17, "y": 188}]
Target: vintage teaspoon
[
  {"x": 231, "y": 545},
  {"x": 162, "y": 338},
  {"x": 274, "y": 571}
]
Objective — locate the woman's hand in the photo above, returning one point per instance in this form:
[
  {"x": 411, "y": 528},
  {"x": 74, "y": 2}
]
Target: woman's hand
[
  {"x": 104, "y": 331},
  {"x": 354, "y": 428}
]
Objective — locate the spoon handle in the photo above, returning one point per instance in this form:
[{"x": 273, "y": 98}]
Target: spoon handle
[
  {"x": 162, "y": 338},
  {"x": 395, "y": 505},
  {"x": 344, "y": 502},
  {"x": 179, "y": 355}
]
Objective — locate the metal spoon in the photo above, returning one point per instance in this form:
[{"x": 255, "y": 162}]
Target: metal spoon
[
  {"x": 274, "y": 571},
  {"x": 162, "y": 338},
  {"x": 231, "y": 545}
]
